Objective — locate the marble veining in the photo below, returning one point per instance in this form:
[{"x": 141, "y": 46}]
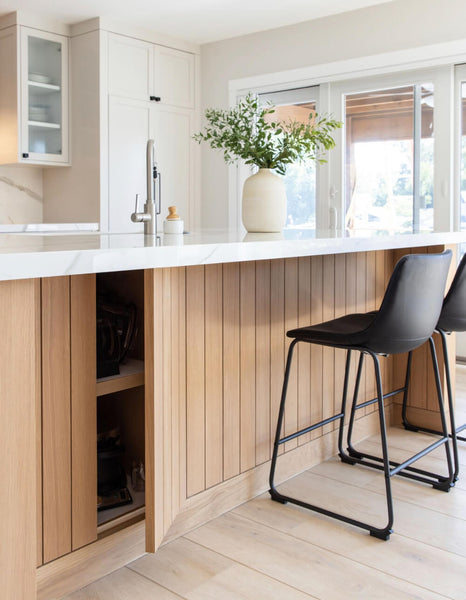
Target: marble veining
[{"x": 29, "y": 255}]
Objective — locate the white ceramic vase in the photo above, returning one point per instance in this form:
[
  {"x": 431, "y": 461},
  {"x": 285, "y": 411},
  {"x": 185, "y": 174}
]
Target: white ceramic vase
[{"x": 264, "y": 202}]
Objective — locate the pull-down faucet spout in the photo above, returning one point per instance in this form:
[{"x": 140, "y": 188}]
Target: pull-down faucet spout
[{"x": 149, "y": 216}]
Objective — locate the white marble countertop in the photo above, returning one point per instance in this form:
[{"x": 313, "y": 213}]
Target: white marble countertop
[
  {"x": 47, "y": 227},
  {"x": 29, "y": 255}
]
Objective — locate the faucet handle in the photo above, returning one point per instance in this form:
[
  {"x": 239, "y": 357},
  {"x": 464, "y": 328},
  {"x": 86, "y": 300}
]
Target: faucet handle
[
  {"x": 137, "y": 203},
  {"x": 138, "y": 217}
]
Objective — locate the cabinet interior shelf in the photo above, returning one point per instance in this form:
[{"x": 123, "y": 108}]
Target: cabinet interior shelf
[
  {"x": 43, "y": 125},
  {"x": 43, "y": 88},
  {"x": 131, "y": 375}
]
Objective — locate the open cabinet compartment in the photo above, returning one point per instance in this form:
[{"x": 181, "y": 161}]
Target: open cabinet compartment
[{"x": 120, "y": 410}]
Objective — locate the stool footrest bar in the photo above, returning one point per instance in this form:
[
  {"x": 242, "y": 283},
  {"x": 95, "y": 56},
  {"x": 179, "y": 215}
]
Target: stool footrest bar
[{"x": 292, "y": 436}]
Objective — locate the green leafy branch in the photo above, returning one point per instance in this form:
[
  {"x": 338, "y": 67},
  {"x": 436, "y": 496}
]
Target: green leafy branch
[{"x": 247, "y": 132}]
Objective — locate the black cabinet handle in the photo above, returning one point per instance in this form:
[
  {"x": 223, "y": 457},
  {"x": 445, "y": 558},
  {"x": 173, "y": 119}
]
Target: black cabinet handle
[
  {"x": 25, "y": 155},
  {"x": 155, "y": 98}
]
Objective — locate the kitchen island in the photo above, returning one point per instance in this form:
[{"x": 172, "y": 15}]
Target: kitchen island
[{"x": 216, "y": 309}]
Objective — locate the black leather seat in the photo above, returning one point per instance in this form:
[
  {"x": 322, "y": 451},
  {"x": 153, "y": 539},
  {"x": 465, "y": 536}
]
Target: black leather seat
[
  {"x": 452, "y": 319},
  {"x": 406, "y": 319}
]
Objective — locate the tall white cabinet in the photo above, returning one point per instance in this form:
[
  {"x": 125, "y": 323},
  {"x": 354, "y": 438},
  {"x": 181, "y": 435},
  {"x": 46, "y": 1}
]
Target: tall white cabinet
[
  {"x": 151, "y": 95},
  {"x": 134, "y": 89}
]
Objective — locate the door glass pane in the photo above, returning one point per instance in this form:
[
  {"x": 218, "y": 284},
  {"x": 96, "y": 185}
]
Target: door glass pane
[
  {"x": 389, "y": 159},
  {"x": 44, "y": 96},
  {"x": 300, "y": 178}
]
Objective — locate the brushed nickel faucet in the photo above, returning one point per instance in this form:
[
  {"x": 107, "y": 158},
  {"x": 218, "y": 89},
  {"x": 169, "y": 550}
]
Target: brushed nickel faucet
[{"x": 149, "y": 216}]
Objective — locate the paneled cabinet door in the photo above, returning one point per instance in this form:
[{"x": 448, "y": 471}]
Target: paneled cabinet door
[
  {"x": 130, "y": 67},
  {"x": 174, "y": 77},
  {"x": 129, "y": 129},
  {"x": 172, "y": 132}
]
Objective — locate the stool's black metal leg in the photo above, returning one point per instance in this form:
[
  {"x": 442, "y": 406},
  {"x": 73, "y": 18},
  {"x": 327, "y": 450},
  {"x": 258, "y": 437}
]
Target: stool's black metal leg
[
  {"x": 344, "y": 457},
  {"x": 383, "y": 533},
  {"x": 451, "y": 406},
  {"x": 448, "y": 483},
  {"x": 281, "y": 413},
  {"x": 351, "y": 449},
  {"x": 405, "y": 395}
]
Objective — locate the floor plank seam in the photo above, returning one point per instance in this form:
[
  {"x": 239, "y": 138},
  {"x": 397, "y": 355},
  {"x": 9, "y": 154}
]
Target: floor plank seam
[
  {"x": 402, "y": 579},
  {"x": 279, "y": 581},
  {"x": 407, "y": 500},
  {"x": 155, "y": 582}
]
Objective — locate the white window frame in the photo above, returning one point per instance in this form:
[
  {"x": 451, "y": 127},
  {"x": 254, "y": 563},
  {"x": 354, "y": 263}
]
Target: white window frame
[
  {"x": 460, "y": 78},
  {"x": 408, "y": 61},
  {"x": 441, "y": 78}
]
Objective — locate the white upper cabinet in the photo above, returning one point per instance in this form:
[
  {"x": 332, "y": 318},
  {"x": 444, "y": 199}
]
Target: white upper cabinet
[
  {"x": 145, "y": 71},
  {"x": 174, "y": 77},
  {"x": 33, "y": 97},
  {"x": 130, "y": 67}
]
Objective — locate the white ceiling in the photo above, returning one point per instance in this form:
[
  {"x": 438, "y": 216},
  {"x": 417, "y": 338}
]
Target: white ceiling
[{"x": 199, "y": 21}]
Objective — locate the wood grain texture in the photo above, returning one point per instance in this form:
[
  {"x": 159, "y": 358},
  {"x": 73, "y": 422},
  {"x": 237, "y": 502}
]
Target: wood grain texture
[
  {"x": 231, "y": 370},
  {"x": 262, "y": 363},
  {"x": 83, "y": 410},
  {"x": 87, "y": 564},
  {"x": 19, "y": 394},
  {"x": 195, "y": 379},
  {"x": 225, "y": 358},
  {"x": 38, "y": 351},
  {"x": 248, "y": 364},
  {"x": 214, "y": 375},
  {"x": 56, "y": 417}
]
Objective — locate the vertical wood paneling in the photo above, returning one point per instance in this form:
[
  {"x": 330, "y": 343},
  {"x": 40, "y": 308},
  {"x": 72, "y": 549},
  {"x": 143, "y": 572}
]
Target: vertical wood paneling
[
  {"x": 248, "y": 364},
  {"x": 340, "y": 309},
  {"x": 328, "y": 354},
  {"x": 167, "y": 391},
  {"x": 178, "y": 374},
  {"x": 262, "y": 362},
  {"x": 153, "y": 347},
  {"x": 242, "y": 312},
  {"x": 304, "y": 356},
  {"x": 351, "y": 304},
  {"x": 316, "y": 351},
  {"x": 361, "y": 280},
  {"x": 18, "y": 398},
  {"x": 38, "y": 354},
  {"x": 83, "y": 410},
  {"x": 195, "y": 379},
  {"x": 56, "y": 417},
  {"x": 231, "y": 371},
  {"x": 213, "y": 374},
  {"x": 370, "y": 304},
  {"x": 277, "y": 339},
  {"x": 291, "y": 322}
]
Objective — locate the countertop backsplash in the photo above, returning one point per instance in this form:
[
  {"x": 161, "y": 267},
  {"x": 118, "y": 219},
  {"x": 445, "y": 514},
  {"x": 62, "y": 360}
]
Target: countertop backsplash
[{"x": 21, "y": 195}]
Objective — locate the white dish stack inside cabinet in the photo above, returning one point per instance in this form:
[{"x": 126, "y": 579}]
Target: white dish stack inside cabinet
[{"x": 33, "y": 94}]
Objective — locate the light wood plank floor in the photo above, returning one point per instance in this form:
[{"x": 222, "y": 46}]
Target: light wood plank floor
[{"x": 265, "y": 550}]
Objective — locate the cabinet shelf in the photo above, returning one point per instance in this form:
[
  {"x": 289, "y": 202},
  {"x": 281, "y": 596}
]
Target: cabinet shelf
[
  {"x": 42, "y": 89},
  {"x": 131, "y": 375},
  {"x": 43, "y": 125}
]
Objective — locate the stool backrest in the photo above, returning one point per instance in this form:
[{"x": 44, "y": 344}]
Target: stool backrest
[
  {"x": 412, "y": 303},
  {"x": 453, "y": 315}
]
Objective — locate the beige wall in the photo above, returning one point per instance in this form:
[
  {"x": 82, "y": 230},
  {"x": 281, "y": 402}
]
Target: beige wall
[{"x": 402, "y": 24}]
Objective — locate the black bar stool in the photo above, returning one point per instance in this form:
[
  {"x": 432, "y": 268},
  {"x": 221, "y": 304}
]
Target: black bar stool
[
  {"x": 452, "y": 318},
  {"x": 406, "y": 319}
]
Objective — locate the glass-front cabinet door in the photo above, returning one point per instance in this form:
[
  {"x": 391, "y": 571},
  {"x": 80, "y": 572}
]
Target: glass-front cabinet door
[{"x": 44, "y": 97}]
